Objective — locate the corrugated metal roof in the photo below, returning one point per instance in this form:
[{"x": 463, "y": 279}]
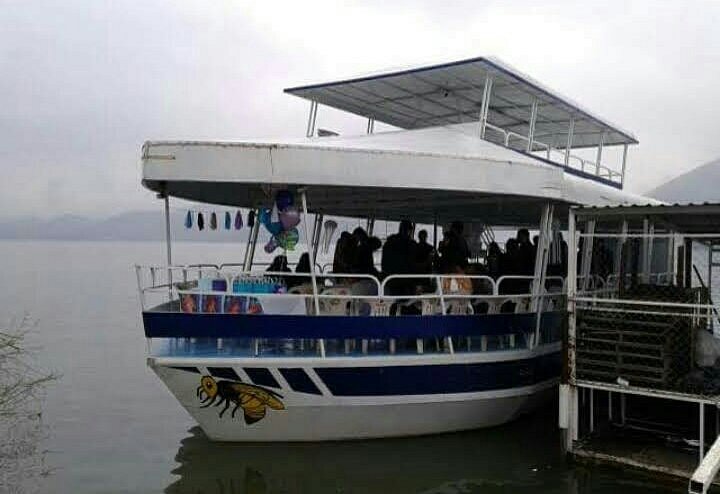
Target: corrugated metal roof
[
  {"x": 687, "y": 218},
  {"x": 451, "y": 93}
]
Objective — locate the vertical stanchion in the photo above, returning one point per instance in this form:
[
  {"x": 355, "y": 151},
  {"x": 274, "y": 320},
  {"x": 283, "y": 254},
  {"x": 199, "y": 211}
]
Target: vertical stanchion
[
  {"x": 702, "y": 430},
  {"x": 168, "y": 242},
  {"x": 568, "y": 145},
  {"x": 572, "y": 399},
  {"x": 313, "y": 277}
]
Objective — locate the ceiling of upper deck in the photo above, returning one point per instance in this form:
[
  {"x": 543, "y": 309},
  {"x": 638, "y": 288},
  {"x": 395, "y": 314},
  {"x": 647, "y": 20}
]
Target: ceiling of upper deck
[
  {"x": 367, "y": 202},
  {"x": 452, "y": 93}
]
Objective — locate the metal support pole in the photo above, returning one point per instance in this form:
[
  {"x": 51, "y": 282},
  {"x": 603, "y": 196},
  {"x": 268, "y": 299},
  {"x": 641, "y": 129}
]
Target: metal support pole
[
  {"x": 647, "y": 247},
  {"x": 252, "y": 242},
  {"x": 168, "y": 242},
  {"x": 624, "y": 163},
  {"x": 598, "y": 160},
  {"x": 587, "y": 252},
  {"x": 371, "y": 125},
  {"x": 311, "y": 119},
  {"x": 702, "y": 431},
  {"x": 572, "y": 402},
  {"x": 592, "y": 410},
  {"x": 485, "y": 106},
  {"x": 531, "y": 130},
  {"x": 317, "y": 229},
  {"x": 541, "y": 260},
  {"x": 313, "y": 278},
  {"x": 568, "y": 145},
  {"x": 617, "y": 265},
  {"x": 610, "y": 414}
]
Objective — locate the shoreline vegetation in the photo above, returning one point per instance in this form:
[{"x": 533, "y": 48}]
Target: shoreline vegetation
[{"x": 22, "y": 387}]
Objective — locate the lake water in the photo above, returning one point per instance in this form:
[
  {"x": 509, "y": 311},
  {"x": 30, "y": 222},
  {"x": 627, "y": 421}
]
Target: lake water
[{"x": 112, "y": 427}]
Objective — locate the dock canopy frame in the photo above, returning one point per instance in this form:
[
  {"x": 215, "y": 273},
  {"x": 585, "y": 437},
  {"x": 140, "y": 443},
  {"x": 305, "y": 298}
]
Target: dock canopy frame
[{"x": 483, "y": 90}]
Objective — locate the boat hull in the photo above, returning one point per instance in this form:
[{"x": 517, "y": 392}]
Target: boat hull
[{"x": 356, "y": 398}]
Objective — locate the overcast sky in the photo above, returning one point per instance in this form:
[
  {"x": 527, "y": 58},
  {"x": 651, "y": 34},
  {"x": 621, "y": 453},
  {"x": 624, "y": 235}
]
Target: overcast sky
[{"x": 84, "y": 83}]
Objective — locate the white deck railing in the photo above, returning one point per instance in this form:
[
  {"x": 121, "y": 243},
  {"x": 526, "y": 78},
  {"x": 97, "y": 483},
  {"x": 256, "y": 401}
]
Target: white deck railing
[
  {"x": 345, "y": 292},
  {"x": 574, "y": 161}
]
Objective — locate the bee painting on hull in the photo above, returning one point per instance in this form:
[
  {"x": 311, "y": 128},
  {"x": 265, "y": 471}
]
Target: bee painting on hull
[{"x": 254, "y": 400}]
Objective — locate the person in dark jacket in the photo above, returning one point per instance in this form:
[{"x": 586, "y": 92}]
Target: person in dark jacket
[
  {"x": 454, "y": 250},
  {"x": 344, "y": 253},
  {"x": 398, "y": 257}
]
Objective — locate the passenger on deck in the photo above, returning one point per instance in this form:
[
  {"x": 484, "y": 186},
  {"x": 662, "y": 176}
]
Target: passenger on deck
[
  {"x": 364, "y": 261},
  {"x": 494, "y": 260},
  {"x": 526, "y": 253},
  {"x": 344, "y": 248},
  {"x": 454, "y": 250},
  {"x": 279, "y": 265},
  {"x": 425, "y": 253},
  {"x": 303, "y": 266},
  {"x": 398, "y": 257},
  {"x": 557, "y": 260},
  {"x": 509, "y": 266}
]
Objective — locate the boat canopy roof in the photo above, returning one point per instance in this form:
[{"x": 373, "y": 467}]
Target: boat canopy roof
[
  {"x": 452, "y": 92},
  {"x": 447, "y": 172}
]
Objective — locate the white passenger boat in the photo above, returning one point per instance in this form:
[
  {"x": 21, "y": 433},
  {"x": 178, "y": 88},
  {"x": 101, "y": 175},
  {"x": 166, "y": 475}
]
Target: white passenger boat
[{"x": 338, "y": 357}]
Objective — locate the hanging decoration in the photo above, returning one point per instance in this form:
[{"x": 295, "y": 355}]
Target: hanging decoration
[
  {"x": 238, "y": 220},
  {"x": 327, "y": 234},
  {"x": 265, "y": 218},
  {"x": 200, "y": 222},
  {"x": 213, "y": 221},
  {"x": 251, "y": 219},
  {"x": 189, "y": 220},
  {"x": 228, "y": 220},
  {"x": 281, "y": 221}
]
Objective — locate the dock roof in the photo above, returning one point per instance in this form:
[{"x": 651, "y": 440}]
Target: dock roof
[
  {"x": 686, "y": 218},
  {"x": 452, "y": 93}
]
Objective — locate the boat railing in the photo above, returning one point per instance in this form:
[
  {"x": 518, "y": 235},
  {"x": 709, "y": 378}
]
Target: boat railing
[
  {"x": 179, "y": 288},
  {"x": 573, "y": 161}
]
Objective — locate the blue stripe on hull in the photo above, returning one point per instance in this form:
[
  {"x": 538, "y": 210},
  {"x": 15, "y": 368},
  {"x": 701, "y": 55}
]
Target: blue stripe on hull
[
  {"x": 439, "y": 379},
  {"x": 180, "y": 325}
]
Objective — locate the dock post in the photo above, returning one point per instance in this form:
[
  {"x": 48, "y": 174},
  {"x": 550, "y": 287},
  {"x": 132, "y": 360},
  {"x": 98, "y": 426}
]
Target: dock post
[
  {"x": 568, "y": 391},
  {"x": 707, "y": 469}
]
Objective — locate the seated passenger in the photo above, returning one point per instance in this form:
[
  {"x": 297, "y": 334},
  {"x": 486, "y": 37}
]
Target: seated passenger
[
  {"x": 303, "y": 266},
  {"x": 459, "y": 285},
  {"x": 279, "y": 265}
]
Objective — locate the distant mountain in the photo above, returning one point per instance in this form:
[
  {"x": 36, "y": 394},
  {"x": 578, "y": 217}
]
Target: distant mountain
[
  {"x": 701, "y": 184},
  {"x": 135, "y": 225}
]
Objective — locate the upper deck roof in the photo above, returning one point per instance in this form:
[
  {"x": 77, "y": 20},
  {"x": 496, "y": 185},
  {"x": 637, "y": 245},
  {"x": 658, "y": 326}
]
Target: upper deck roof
[{"x": 452, "y": 93}]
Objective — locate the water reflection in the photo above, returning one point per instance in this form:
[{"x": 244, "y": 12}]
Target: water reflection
[{"x": 520, "y": 457}]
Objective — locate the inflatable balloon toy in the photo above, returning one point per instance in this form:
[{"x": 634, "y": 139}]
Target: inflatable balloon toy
[
  {"x": 284, "y": 199},
  {"x": 271, "y": 245},
  {"x": 290, "y": 218},
  {"x": 274, "y": 227},
  {"x": 288, "y": 239}
]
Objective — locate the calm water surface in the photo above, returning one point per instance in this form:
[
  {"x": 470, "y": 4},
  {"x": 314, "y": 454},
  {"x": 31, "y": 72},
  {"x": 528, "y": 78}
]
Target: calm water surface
[{"x": 112, "y": 427}]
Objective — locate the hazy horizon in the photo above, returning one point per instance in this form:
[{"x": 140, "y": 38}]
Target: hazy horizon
[{"x": 86, "y": 83}]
